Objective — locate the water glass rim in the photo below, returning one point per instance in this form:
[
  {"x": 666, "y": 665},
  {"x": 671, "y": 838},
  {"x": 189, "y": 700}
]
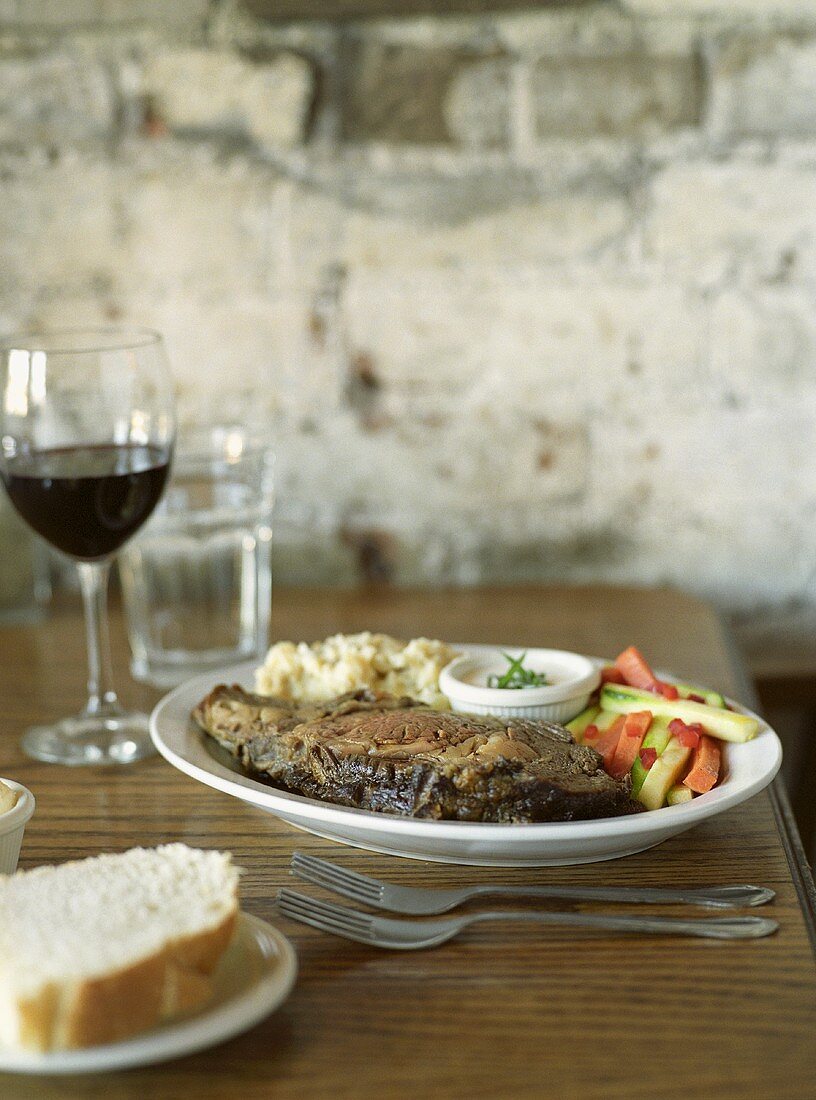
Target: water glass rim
[
  {"x": 81, "y": 341},
  {"x": 220, "y": 445}
]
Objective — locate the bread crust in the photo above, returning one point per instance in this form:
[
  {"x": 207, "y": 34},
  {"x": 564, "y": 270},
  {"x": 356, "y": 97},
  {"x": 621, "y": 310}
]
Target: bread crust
[{"x": 116, "y": 1006}]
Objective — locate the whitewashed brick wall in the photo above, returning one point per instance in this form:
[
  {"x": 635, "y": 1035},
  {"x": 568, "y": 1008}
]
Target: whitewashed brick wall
[{"x": 530, "y": 296}]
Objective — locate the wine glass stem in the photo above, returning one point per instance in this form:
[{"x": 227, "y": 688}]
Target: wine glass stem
[{"x": 93, "y": 578}]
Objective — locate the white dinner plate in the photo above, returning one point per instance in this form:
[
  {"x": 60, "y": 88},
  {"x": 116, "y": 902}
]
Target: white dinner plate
[
  {"x": 747, "y": 769},
  {"x": 254, "y": 977}
]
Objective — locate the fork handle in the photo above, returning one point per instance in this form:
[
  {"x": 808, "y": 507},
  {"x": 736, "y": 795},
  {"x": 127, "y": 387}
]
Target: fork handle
[
  {"x": 720, "y": 928},
  {"x": 715, "y": 897}
]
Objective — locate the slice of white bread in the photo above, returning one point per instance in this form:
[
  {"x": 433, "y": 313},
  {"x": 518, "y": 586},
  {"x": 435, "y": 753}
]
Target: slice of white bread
[{"x": 98, "y": 949}]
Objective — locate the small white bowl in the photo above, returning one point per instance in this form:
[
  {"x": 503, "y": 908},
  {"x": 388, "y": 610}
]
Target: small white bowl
[
  {"x": 573, "y": 677},
  {"x": 12, "y": 826}
]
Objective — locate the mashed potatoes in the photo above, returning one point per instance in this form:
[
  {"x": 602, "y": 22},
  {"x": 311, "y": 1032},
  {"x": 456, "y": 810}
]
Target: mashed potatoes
[{"x": 348, "y": 662}]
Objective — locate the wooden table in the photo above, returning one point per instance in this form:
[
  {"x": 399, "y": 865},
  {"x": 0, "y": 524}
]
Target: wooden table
[{"x": 504, "y": 1011}]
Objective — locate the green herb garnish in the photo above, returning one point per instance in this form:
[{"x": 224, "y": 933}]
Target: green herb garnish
[{"x": 517, "y": 676}]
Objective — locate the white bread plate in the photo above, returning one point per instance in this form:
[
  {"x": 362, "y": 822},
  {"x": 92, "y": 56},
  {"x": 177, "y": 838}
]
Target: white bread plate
[
  {"x": 254, "y": 976},
  {"x": 12, "y": 826},
  {"x": 748, "y": 768}
]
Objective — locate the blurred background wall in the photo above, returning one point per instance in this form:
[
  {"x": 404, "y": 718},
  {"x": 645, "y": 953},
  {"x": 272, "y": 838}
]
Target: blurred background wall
[{"x": 524, "y": 295}]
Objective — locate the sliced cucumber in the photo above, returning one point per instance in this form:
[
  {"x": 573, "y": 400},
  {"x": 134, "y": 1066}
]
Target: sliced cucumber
[
  {"x": 663, "y": 774},
  {"x": 638, "y": 774},
  {"x": 712, "y": 698},
  {"x": 605, "y": 718},
  {"x": 725, "y": 724},
  {"x": 679, "y": 794},
  {"x": 579, "y": 723},
  {"x": 657, "y": 738}
]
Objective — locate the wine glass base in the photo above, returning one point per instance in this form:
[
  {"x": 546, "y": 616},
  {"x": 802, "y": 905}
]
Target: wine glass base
[{"x": 120, "y": 739}]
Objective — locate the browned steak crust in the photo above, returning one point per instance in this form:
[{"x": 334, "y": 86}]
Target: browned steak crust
[{"x": 377, "y": 752}]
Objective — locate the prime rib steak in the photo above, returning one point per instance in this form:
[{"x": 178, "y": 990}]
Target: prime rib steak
[{"x": 396, "y": 756}]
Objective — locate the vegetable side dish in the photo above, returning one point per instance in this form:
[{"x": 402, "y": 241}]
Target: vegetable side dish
[{"x": 665, "y": 737}]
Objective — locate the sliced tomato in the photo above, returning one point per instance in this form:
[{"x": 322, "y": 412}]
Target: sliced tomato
[
  {"x": 687, "y": 735},
  {"x": 648, "y": 757},
  {"x": 705, "y": 766},
  {"x": 668, "y": 691},
  {"x": 635, "y": 728}
]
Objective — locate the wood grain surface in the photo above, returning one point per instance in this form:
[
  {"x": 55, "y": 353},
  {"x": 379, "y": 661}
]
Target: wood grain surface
[{"x": 503, "y": 1011}]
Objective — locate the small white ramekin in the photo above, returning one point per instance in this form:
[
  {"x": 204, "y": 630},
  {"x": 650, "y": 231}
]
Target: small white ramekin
[
  {"x": 576, "y": 677},
  {"x": 12, "y": 827}
]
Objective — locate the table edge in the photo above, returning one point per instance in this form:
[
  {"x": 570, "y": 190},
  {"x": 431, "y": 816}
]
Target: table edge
[{"x": 801, "y": 873}]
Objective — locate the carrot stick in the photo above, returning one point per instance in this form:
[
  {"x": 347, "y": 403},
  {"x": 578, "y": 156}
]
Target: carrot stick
[
  {"x": 637, "y": 672},
  {"x": 634, "y": 730},
  {"x": 606, "y": 741},
  {"x": 635, "y": 668},
  {"x": 705, "y": 766}
]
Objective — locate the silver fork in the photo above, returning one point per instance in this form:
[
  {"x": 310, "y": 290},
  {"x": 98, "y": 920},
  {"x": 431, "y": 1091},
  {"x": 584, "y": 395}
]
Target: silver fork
[
  {"x": 418, "y": 902},
  {"x": 407, "y": 935}
]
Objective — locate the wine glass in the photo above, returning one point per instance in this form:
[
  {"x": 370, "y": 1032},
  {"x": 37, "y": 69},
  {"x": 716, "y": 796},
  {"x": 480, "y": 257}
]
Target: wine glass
[{"x": 86, "y": 437}]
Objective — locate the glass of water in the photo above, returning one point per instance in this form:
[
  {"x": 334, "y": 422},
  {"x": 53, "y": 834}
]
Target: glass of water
[{"x": 197, "y": 581}]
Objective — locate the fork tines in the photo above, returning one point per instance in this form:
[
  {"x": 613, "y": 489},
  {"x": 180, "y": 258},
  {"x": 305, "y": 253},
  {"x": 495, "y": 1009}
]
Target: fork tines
[
  {"x": 325, "y": 916},
  {"x": 321, "y": 873}
]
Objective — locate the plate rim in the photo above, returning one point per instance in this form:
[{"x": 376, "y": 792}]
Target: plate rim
[
  {"x": 276, "y": 801},
  {"x": 175, "y": 1039}
]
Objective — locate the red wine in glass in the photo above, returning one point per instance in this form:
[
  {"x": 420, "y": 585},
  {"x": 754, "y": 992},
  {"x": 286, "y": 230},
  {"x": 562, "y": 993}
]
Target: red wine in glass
[
  {"x": 87, "y": 501},
  {"x": 87, "y": 426}
]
